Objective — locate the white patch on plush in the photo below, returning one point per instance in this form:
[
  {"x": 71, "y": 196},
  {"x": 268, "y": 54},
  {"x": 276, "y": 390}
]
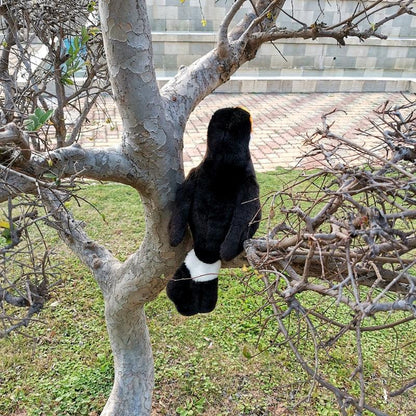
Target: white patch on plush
[{"x": 200, "y": 271}]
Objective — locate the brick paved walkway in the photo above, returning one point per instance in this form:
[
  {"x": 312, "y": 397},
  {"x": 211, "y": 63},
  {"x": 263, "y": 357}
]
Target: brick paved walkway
[{"x": 280, "y": 123}]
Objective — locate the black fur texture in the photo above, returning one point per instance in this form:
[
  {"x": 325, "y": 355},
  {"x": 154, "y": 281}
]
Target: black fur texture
[{"x": 219, "y": 201}]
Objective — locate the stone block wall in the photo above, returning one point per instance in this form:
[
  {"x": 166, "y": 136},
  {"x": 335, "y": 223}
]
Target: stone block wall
[
  {"x": 173, "y": 16},
  {"x": 179, "y": 38}
]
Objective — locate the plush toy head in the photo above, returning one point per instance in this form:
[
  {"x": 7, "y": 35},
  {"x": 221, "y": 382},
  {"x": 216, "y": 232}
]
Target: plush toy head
[{"x": 229, "y": 130}]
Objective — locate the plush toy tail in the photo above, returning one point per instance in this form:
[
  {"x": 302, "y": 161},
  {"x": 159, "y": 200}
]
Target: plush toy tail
[{"x": 194, "y": 286}]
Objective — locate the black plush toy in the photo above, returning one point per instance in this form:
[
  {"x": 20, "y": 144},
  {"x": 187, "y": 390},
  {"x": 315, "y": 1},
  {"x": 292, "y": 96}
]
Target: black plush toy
[{"x": 219, "y": 201}]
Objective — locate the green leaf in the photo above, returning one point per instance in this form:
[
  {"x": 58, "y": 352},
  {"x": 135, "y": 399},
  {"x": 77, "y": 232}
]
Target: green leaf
[
  {"x": 39, "y": 113},
  {"x": 94, "y": 31},
  {"x": 46, "y": 116},
  {"x": 91, "y": 6},
  {"x": 4, "y": 224},
  {"x": 67, "y": 81},
  {"x": 34, "y": 119},
  {"x": 84, "y": 36},
  {"x": 29, "y": 125},
  {"x": 76, "y": 43},
  {"x": 7, "y": 235},
  {"x": 246, "y": 353},
  {"x": 38, "y": 119}
]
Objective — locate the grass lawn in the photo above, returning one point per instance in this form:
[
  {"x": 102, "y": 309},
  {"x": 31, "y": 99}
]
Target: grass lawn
[{"x": 228, "y": 362}]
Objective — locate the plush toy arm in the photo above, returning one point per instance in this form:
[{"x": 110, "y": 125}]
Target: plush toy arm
[
  {"x": 245, "y": 221},
  {"x": 180, "y": 211}
]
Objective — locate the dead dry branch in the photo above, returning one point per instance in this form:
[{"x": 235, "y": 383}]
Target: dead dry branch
[
  {"x": 339, "y": 255},
  {"x": 52, "y": 72}
]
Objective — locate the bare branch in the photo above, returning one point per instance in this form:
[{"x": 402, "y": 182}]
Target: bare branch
[
  {"x": 223, "y": 42},
  {"x": 96, "y": 257},
  {"x": 72, "y": 162},
  {"x": 402, "y": 390},
  {"x": 342, "y": 30},
  {"x": 10, "y": 133},
  {"x": 346, "y": 234},
  {"x": 15, "y": 183},
  {"x": 108, "y": 164},
  {"x": 344, "y": 398}
]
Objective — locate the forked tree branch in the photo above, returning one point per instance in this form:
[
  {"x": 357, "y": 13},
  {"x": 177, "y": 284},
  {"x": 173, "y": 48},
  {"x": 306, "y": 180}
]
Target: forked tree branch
[{"x": 223, "y": 41}]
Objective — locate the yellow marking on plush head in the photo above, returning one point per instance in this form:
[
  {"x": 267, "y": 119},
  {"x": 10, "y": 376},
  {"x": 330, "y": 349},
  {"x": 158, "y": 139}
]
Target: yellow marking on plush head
[
  {"x": 246, "y": 109},
  {"x": 243, "y": 108}
]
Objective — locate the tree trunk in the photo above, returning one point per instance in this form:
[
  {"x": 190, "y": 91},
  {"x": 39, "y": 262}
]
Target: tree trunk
[
  {"x": 127, "y": 288},
  {"x": 133, "y": 363}
]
